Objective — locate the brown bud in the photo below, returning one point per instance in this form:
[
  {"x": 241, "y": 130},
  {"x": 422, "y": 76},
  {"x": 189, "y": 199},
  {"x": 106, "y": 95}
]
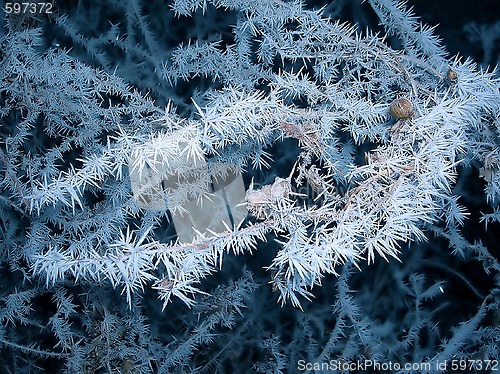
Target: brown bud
[
  {"x": 451, "y": 75},
  {"x": 402, "y": 108}
]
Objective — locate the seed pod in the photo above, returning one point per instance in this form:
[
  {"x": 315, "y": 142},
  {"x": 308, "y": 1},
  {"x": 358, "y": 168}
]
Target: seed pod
[
  {"x": 402, "y": 108},
  {"x": 451, "y": 75}
]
